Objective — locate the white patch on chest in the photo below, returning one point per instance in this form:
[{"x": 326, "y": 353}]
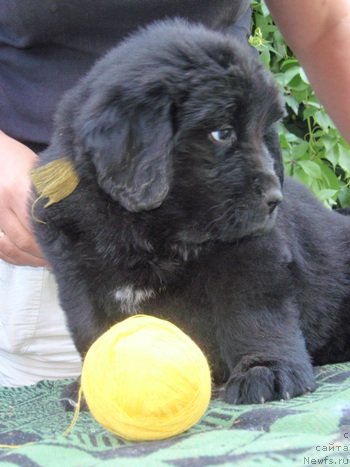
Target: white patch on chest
[{"x": 130, "y": 298}]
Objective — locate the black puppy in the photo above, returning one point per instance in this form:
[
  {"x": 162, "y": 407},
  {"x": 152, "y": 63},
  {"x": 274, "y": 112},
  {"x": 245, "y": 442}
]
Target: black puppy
[{"x": 179, "y": 213}]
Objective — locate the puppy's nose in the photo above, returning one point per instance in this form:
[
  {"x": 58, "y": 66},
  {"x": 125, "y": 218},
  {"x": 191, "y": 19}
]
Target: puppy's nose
[{"x": 273, "y": 198}]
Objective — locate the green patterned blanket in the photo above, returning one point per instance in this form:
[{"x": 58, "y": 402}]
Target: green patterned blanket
[{"x": 310, "y": 430}]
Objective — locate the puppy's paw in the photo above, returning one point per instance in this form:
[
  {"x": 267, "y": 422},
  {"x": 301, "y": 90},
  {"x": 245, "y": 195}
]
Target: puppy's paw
[
  {"x": 70, "y": 397},
  {"x": 259, "y": 382}
]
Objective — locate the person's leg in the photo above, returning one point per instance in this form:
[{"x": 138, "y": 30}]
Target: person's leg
[{"x": 34, "y": 341}]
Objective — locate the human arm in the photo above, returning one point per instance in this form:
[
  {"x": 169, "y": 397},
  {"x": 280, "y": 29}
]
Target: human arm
[
  {"x": 17, "y": 245},
  {"x": 318, "y": 32}
]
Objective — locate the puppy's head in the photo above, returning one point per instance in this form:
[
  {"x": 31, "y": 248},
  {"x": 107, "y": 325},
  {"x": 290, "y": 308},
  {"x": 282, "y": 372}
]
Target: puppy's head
[{"x": 178, "y": 122}]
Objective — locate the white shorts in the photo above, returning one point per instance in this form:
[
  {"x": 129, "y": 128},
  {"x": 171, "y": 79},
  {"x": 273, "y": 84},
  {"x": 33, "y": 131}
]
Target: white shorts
[{"x": 34, "y": 340}]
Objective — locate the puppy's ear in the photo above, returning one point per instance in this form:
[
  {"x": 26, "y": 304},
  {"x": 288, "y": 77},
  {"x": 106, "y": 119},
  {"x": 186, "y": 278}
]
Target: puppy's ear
[{"x": 131, "y": 153}]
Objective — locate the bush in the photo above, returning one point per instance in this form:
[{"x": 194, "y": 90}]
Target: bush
[{"x": 313, "y": 150}]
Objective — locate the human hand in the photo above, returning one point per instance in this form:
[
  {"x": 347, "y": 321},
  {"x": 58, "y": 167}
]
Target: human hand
[{"x": 17, "y": 242}]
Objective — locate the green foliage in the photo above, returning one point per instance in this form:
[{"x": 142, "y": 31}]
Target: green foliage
[{"x": 313, "y": 150}]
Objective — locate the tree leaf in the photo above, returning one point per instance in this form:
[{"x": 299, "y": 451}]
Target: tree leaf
[
  {"x": 292, "y": 103},
  {"x": 344, "y": 158},
  {"x": 310, "y": 168},
  {"x": 323, "y": 120}
]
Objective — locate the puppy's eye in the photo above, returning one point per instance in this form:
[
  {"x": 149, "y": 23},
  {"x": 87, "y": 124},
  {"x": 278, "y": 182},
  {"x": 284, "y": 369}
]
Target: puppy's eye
[{"x": 224, "y": 135}]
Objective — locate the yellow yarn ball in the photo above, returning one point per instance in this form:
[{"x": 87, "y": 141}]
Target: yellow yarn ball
[{"x": 144, "y": 379}]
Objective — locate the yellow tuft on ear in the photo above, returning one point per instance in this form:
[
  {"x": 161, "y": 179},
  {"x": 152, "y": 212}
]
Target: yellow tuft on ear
[{"x": 55, "y": 180}]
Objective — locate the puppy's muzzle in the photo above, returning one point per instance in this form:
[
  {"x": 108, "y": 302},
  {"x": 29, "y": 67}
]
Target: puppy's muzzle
[
  {"x": 272, "y": 198},
  {"x": 268, "y": 187}
]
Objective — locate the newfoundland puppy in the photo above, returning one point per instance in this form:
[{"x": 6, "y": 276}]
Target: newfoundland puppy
[{"x": 181, "y": 212}]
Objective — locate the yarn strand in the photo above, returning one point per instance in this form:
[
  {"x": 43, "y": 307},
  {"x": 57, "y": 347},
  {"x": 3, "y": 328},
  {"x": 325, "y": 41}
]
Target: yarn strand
[{"x": 76, "y": 413}]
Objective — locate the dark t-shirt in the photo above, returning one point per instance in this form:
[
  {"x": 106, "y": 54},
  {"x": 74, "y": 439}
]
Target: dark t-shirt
[{"x": 46, "y": 45}]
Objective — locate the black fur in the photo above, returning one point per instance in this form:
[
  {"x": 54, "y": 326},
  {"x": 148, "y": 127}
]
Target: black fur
[{"x": 176, "y": 214}]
